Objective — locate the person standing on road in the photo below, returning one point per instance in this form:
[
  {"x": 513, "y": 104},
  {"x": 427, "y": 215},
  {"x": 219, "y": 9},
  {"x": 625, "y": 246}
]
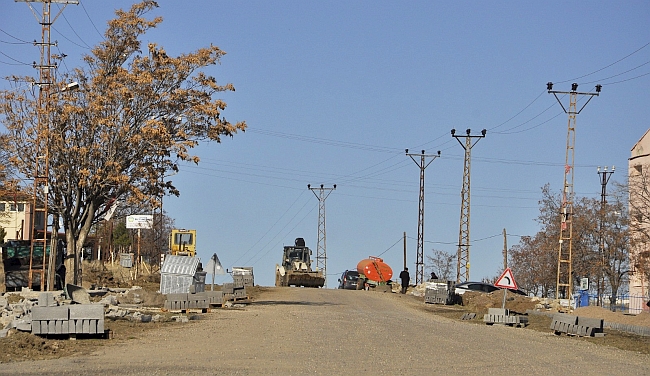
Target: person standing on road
[{"x": 406, "y": 278}]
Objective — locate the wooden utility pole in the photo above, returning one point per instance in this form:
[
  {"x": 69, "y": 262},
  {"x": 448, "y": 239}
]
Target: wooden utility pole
[
  {"x": 505, "y": 250},
  {"x": 404, "y": 251}
]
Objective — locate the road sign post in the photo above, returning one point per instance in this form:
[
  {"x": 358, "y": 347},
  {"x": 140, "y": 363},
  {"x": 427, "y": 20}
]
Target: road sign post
[{"x": 506, "y": 281}]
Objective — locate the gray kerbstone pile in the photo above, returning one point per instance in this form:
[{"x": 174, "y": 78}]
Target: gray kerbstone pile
[
  {"x": 201, "y": 300},
  {"x": 503, "y": 316},
  {"x": 49, "y": 318},
  {"x": 576, "y": 325}
]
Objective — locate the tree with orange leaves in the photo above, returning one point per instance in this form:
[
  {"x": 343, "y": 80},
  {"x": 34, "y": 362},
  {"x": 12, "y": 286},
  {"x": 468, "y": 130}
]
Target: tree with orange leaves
[{"x": 134, "y": 117}]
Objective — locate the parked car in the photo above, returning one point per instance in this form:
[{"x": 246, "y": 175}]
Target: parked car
[
  {"x": 518, "y": 292},
  {"x": 349, "y": 280},
  {"x": 463, "y": 287}
]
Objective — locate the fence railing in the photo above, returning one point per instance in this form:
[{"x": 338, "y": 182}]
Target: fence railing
[{"x": 626, "y": 303}]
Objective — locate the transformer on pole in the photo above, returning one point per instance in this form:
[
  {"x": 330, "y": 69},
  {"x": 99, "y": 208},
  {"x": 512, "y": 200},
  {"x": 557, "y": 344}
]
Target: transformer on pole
[
  {"x": 462, "y": 270},
  {"x": 321, "y": 246},
  {"x": 419, "y": 262},
  {"x": 564, "y": 285}
]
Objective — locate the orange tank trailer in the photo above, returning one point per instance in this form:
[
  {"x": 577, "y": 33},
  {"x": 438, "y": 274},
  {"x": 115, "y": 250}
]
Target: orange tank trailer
[{"x": 375, "y": 269}]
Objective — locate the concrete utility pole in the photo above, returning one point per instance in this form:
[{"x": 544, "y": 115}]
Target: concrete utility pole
[
  {"x": 419, "y": 262},
  {"x": 604, "y": 179},
  {"x": 462, "y": 270},
  {"x": 321, "y": 246},
  {"x": 564, "y": 286},
  {"x": 39, "y": 207}
]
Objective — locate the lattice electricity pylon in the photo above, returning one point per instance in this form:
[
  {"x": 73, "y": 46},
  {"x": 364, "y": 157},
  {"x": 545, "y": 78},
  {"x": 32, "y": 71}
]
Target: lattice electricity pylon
[
  {"x": 41, "y": 177},
  {"x": 462, "y": 270},
  {"x": 564, "y": 285},
  {"x": 419, "y": 262},
  {"x": 321, "y": 246}
]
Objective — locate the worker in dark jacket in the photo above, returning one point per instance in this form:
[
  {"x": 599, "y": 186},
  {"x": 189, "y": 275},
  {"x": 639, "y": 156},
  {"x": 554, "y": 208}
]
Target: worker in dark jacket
[{"x": 404, "y": 276}]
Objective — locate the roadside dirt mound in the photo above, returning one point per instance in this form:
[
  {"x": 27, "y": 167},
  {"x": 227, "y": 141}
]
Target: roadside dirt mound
[
  {"x": 142, "y": 296},
  {"x": 480, "y": 302},
  {"x": 25, "y": 346},
  {"x": 642, "y": 319}
]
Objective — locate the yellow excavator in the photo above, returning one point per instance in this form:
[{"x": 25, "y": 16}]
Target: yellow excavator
[{"x": 182, "y": 242}]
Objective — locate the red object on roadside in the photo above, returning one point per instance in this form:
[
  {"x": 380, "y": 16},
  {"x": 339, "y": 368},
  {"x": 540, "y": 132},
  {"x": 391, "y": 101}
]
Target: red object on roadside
[{"x": 375, "y": 269}]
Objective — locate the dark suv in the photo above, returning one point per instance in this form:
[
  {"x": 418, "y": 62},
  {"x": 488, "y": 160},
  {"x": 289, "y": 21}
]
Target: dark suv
[{"x": 349, "y": 279}]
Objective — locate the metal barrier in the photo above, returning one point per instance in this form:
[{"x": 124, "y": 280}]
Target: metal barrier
[{"x": 627, "y": 303}]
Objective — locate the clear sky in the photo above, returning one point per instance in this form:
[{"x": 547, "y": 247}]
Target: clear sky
[{"x": 334, "y": 91}]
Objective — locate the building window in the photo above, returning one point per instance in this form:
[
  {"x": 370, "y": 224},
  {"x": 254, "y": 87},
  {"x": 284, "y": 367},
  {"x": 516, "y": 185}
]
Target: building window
[
  {"x": 12, "y": 207},
  {"x": 21, "y": 207},
  {"x": 2, "y": 206}
]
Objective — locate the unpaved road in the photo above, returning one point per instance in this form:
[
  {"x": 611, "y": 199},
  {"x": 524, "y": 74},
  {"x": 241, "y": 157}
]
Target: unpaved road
[{"x": 296, "y": 331}]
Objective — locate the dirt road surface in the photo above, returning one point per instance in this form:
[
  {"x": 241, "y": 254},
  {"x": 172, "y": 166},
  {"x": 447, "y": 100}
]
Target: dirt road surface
[{"x": 298, "y": 331}]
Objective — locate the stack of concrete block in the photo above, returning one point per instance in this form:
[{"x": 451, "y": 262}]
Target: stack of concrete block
[
  {"x": 176, "y": 302},
  {"x": 234, "y": 291},
  {"x": 215, "y": 298},
  {"x": 48, "y": 318},
  {"x": 468, "y": 316},
  {"x": 438, "y": 291},
  {"x": 502, "y": 316},
  {"x": 243, "y": 274},
  {"x": 242, "y": 280},
  {"x": 575, "y": 325},
  {"x": 238, "y": 288},
  {"x": 184, "y": 302},
  {"x": 86, "y": 319}
]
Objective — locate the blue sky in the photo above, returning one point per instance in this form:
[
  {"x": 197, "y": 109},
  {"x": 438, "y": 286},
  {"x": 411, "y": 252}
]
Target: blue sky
[{"x": 334, "y": 91}]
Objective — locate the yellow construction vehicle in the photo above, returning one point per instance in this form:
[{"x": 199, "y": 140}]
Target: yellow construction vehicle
[
  {"x": 182, "y": 242},
  {"x": 295, "y": 269}
]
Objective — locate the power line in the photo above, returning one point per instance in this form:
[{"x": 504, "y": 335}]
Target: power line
[
  {"x": 16, "y": 38},
  {"x": 272, "y": 226},
  {"x": 18, "y": 62},
  {"x": 605, "y": 67},
  {"x": 622, "y": 73},
  {"x": 74, "y": 31},
  {"x": 91, "y": 20}
]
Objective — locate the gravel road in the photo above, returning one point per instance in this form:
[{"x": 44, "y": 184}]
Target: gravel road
[{"x": 297, "y": 331}]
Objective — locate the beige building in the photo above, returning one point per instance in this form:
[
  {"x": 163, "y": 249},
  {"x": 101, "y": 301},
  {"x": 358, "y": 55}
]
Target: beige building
[
  {"x": 15, "y": 216},
  {"x": 639, "y": 173}
]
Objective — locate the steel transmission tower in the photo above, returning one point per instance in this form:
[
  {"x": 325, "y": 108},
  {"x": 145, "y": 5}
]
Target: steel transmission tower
[
  {"x": 419, "y": 262},
  {"x": 42, "y": 159},
  {"x": 564, "y": 286},
  {"x": 321, "y": 246},
  {"x": 462, "y": 270}
]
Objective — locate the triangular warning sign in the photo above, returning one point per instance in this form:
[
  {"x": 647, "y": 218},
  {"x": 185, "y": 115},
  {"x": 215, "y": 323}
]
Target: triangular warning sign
[{"x": 506, "y": 281}]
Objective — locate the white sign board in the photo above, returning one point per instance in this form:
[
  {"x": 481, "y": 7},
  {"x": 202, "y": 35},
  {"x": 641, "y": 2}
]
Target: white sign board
[
  {"x": 139, "y": 221},
  {"x": 584, "y": 284}
]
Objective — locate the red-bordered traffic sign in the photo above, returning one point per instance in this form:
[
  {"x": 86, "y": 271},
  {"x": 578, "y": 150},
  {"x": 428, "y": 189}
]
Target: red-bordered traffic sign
[{"x": 506, "y": 281}]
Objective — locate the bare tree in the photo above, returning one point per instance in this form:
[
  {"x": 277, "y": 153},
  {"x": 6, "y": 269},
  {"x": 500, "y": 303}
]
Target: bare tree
[{"x": 441, "y": 263}]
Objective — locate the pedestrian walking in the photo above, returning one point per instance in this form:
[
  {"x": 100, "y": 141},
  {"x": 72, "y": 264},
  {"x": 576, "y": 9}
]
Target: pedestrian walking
[{"x": 406, "y": 278}]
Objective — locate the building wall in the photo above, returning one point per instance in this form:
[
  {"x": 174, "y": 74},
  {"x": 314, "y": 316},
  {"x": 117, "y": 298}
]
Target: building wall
[
  {"x": 639, "y": 163},
  {"x": 15, "y": 219}
]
